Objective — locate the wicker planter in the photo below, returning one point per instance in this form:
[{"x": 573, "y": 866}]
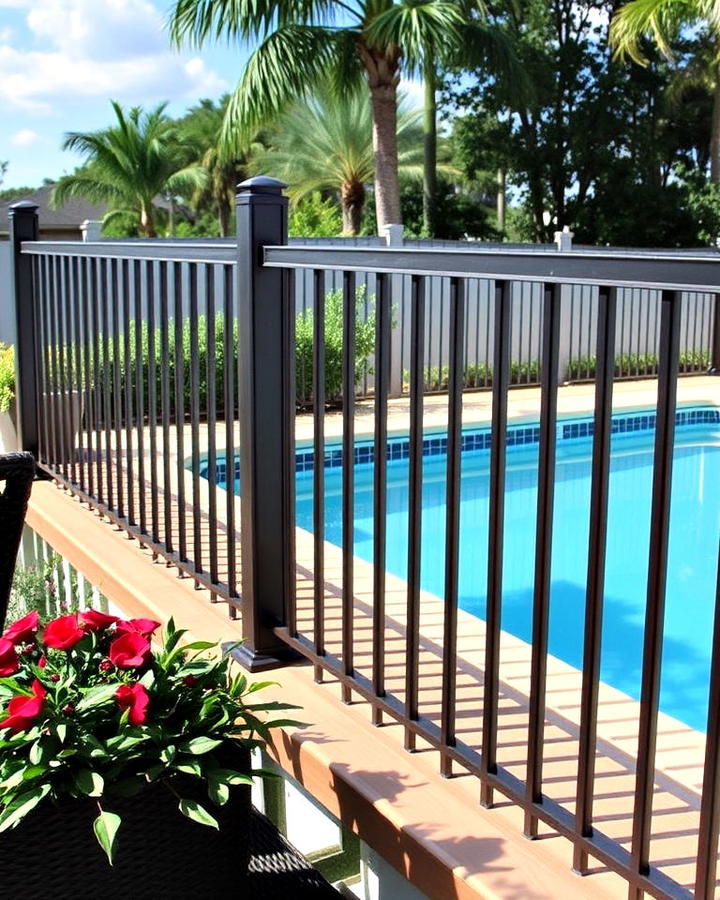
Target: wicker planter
[{"x": 160, "y": 853}]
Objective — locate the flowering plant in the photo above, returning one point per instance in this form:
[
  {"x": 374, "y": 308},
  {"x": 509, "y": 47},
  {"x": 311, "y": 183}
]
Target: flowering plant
[{"x": 89, "y": 709}]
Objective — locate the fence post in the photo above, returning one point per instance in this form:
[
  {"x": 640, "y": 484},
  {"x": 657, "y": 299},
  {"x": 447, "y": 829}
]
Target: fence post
[
  {"x": 266, "y": 415},
  {"x": 715, "y": 348},
  {"x": 23, "y": 220}
]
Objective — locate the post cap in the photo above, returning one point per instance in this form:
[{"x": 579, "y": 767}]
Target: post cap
[
  {"x": 262, "y": 184},
  {"x": 22, "y": 206}
]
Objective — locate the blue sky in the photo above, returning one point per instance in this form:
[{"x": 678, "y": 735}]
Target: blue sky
[{"x": 62, "y": 60}]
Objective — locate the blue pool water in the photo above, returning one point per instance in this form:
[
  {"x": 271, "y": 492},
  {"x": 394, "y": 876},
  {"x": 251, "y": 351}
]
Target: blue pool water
[{"x": 695, "y": 529}]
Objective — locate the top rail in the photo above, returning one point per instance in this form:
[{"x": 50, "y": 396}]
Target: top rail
[
  {"x": 655, "y": 271},
  {"x": 201, "y": 252}
]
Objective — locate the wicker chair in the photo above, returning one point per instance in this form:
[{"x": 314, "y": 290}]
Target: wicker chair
[{"x": 17, "y": 470}]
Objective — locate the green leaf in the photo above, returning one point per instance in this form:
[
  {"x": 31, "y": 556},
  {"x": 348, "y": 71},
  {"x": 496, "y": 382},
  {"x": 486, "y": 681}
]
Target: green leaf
[
  {"x": 148, "y": 679},
  {"x": 61, "y": 731},
  {"x": 230, "y": 776},
  {"x": 200, "y": 645},
  {"x": 96, "y": 696},
  {"x": 168, "y": 754},
  {"x": 190, "y": 767},
  {"x": 105, "y": 827},
  {"x": 218, "y": 792},
  {"x": 193, "y": 810},
  {"x": 15, "y": 811},
  {"x": 90, "y": 783},
  {"x": 199, "y": 745}
]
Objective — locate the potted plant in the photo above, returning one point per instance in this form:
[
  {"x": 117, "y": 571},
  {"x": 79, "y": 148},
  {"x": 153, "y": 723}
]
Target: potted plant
[{"x": 144, "y": 751}]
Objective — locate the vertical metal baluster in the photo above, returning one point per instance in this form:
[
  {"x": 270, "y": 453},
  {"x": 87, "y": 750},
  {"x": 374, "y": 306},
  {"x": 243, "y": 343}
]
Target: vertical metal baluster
[
  {"x": 128, "y": 386},
  {"x": 107, "y": 397},
  {"x": 166, "y": 354},
  {"x": 117, "y": 392},
  {"x": 696, "y": 315},
  {"x": 543, "y": 550},
  {"x": 79, "y": 340},
  {"x": 52, "y": 387},
  {"x": 318, "y": 368},
  {"x": 348, "y": 477},
  {"x": 623, "y": 305},
  {"x": 152, "y": 400},
  {"x": 43, "y": 296},
  {"x": 488, "y": 375},
  {"x": 657, "y": 573},
  {"x": 195, "y": 420},
  {"x": 87, "y": 379},
  {"x": 140, "y": 327},
  {"x": 180, "y": 411},
  {"x": 599, "y": 490},
  {"x": 412, "y": 674},
  {"x": 98, "y": 369},
  {"x": 685, "y": 306},
  {"x": 63, "y": 391},
  {"x": 73, "y": 362},
  {"x": 382, "y": 377},
  {"x": 229, "y": 414},
  {"x": 211, "y": 411},
  {"x": 452, "y": 520},
  {"x": 496, "y": 519},
  {"x": 706, "y": 871},
  {"x": 289, "y": 388}
]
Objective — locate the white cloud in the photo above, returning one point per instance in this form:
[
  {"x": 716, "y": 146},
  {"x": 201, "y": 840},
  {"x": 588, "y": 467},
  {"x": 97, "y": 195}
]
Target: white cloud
[
  {"x": 86, "y": 48},
  {"x": 24, "y": 138}
]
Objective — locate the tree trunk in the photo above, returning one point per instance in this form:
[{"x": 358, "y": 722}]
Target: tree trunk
[
  {"x": 383, "y": 71},
  {"x": 147, "y": 226},
  {"x": 352, "y": 200},
  {"x": 501, "y": 200},
  {"x": 715, "y": 131},
  {"x": 429, "y": 147}
]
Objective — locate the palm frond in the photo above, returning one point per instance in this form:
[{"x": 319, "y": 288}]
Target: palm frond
[
  {"x": 288, "y": 65},
  {"x": 659, "y": 20},
  {"x": 195, "y": 21}
]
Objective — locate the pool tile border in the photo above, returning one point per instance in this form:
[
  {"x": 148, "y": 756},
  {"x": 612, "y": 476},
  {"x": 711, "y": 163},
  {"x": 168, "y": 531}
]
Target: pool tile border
[{"x": 480, "y": 439}]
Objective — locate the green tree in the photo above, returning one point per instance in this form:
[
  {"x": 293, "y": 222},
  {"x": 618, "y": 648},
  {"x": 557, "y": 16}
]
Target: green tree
[
  {"x": 131, "y": 163},
  {"x": 302, "y": 45},
  {"x": 202, "y": 128},
  {"x": 663, "y": 21},
  {"x": 325, "y": 144}
]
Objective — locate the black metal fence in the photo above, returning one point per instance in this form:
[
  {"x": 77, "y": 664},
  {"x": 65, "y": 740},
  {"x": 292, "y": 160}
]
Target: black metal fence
[{"x": 127, "y": 404}]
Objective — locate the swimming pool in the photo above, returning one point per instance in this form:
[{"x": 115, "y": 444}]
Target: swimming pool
[{"x": 695, "y": 526}]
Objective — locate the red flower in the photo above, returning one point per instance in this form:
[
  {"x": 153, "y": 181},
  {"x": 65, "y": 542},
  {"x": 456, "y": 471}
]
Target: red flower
[
  {"x": 63, "y": 633},
  {"x": 145, "y": 627},
  {"x": 189, "y": 680},
  {"x": 24, "y": 710},
  {"x": 9, "y": 660},
  {"x": 24, "y": 629},
  {"x": 93, "y": 620},
  {"x": 129, "y": 650},
  {"x": 134, "y": 698}
]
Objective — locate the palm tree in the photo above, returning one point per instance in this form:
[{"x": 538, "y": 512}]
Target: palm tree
[
  {"x": 456, "y": 34},
  {"x": 130, "y": 164},
  {"x": 325, "y": 144},
  {"x": 662, "y": 21},
  {"x": 225, "y": 168},
  {"x": 305, "y": 43}
]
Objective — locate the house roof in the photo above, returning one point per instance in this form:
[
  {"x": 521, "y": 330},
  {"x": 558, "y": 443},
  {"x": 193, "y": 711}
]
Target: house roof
[{"x": 71, "y": 215}]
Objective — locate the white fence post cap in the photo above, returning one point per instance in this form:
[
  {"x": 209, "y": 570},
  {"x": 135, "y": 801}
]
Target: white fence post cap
[{"x": 91, "y": 230}]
